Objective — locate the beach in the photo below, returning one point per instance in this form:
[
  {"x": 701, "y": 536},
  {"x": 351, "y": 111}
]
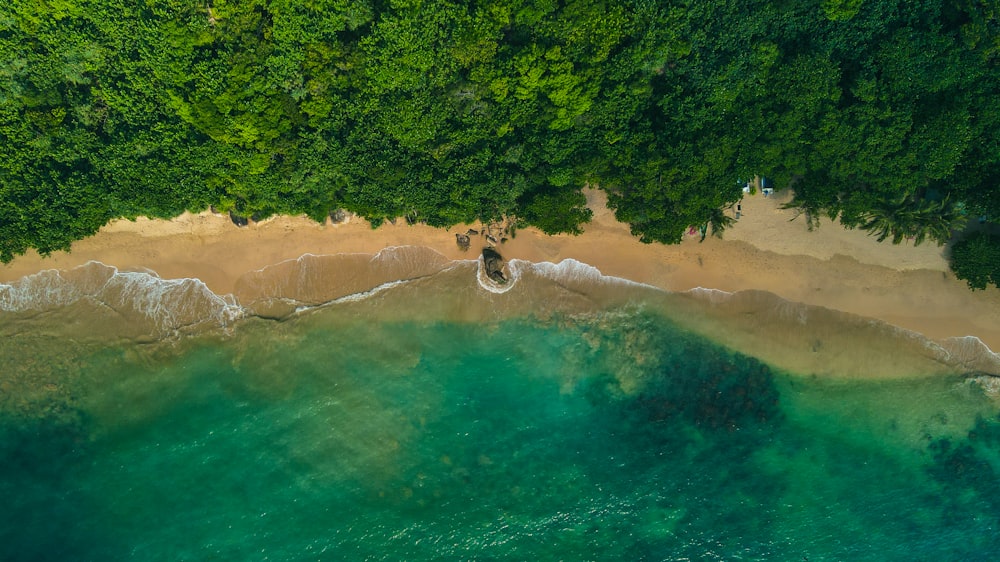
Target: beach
[
  {"x": 295, "y": 391},
  {"x": 224, "y": 384},
  {"x": 767, "y": 249}
]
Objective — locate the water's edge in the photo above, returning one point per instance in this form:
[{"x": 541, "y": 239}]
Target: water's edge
[
  {"x": 141, "y": 306},
  {"x": 401, "y": 406}
]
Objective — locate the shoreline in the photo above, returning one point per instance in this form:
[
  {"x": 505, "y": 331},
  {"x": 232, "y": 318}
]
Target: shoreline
[{"x": 846, "y": 270}]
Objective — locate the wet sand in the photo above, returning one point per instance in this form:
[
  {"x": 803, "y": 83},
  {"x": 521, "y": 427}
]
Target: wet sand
[{"x": 845, "y": 270}]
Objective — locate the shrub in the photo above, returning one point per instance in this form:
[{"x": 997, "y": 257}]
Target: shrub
[{"x": 976, "y": 259}]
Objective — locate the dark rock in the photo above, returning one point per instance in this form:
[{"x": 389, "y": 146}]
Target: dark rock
[
  {"x": 472, "y": 232},
  {"x": 463, "y": 241},
  {"x": 491, "y": 238},
  {"x": 503, "y": 240},
  {"x": 493, "y": 262},
  {"x": 338, "y": 216},
  {"x": 238, "y": 220}
]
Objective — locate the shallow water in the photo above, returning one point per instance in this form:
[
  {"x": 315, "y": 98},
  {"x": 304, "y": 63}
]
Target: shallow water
[{"x": 571, "y": 417}]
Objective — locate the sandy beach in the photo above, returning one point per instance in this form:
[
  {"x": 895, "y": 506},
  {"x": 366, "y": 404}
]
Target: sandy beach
[{"x": 841, "y": 269}]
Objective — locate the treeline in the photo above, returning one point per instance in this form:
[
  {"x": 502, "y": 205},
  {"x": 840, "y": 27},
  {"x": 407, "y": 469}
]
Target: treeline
[{"x": 883, "y": 113}]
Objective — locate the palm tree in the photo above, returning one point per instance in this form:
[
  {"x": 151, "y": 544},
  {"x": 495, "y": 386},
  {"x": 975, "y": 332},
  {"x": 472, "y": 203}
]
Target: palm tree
[
  {"x": 919, "y": 219},
  {"x": 891, "y": 218},
  {"x": 718, "y": 221},
  {"x": 939, "y": 221}
]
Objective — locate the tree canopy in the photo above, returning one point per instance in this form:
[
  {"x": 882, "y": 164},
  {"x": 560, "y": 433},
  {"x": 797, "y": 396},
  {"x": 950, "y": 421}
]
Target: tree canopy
[
  {"x": 976, "y": 259},
  {"x": 882, "y": 113}
]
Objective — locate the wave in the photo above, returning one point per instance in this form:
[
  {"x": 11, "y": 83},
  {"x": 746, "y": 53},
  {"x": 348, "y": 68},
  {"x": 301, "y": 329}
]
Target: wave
[
  {"x": 754, "y": 322},
  {"x": 514, "y": 272},
  {"x": 355, "y": 297},
  {"x": 572, "y": 271},
  {"x": 572, "y": 275},
  {"x": 972, "y": 354},
  {"x": 140, "y": 298},
  {"x": 312, "y": 280},
  {"x": 764, "y": 324}
]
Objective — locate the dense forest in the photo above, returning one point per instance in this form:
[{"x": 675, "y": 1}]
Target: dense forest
[{"x": 884, "y": 114}]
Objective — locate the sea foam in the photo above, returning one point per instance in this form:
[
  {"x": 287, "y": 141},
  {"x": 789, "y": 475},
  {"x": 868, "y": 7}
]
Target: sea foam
[
  {"x": 971, "y": 353},
  {"x": 573, "y": 271},
  {"x": 164, "y": 305}
]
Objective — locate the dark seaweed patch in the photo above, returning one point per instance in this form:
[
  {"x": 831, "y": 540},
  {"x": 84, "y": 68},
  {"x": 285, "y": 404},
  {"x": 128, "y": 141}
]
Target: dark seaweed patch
[
  {"x": 45, "y": 516},
  {"x": 711, "y": 389},
  {"x": 968, "y": 472}
]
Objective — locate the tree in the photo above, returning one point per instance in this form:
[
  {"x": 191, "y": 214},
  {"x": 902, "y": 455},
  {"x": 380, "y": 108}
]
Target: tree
[
  {"x": 976, "y": 259},
  {"x": 882, "y": 114},
  {"x": 555, "y": 212},
  {"x": 908, "y": 217},
  {"x": 718, "y": 221}
]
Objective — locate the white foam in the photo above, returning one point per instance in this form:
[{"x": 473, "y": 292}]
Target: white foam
[
  {"x": 571, "y": 270},
  {"x": 173, "y": 304},
  {"x": 989, "y": 384},
  {"x": 513, "y": 267},
  {"x": 714, "y": 296},
  {"x": 40, "y": 291},
  {"x": 354, "y": 297},
  {"x": 567, "y": 271},
  {"x": 971, "y": 353},
  {"x": 169, "y": 304}
]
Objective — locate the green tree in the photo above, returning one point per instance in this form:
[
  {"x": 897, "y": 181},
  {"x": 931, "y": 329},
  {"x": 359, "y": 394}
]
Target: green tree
[
  {"x": 882, "y": 114},
  {"x": 976, "y": 260},
  {"x": 912, "y": 218},
  {"x": 555, "y": 212}
]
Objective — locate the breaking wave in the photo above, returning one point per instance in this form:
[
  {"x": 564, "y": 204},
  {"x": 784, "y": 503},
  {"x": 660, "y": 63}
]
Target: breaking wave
[
  {"x": 573, "y": 271},
  {"x": 763, "y": 323},
  {"x": 569, "y": 273},
  {"x": 972, "y": 354},
  {"x": 514, "y": 271},
  {"x": 141, "y": 304},
  {"x": 161, "y": 306},
  {"x": 312, "y": 280}
]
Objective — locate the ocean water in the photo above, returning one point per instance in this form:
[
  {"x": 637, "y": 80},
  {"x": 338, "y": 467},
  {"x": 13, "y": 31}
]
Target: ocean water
[{"x": 418, "y": 413}]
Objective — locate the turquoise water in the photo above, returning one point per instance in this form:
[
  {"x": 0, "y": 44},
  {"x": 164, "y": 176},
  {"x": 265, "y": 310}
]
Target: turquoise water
[{"x": 352, "y": 433}]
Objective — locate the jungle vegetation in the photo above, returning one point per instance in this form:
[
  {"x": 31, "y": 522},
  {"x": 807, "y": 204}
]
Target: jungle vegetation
[
  {"x": 882, "y": 114},
  {"x": 976, "y": 259}
]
